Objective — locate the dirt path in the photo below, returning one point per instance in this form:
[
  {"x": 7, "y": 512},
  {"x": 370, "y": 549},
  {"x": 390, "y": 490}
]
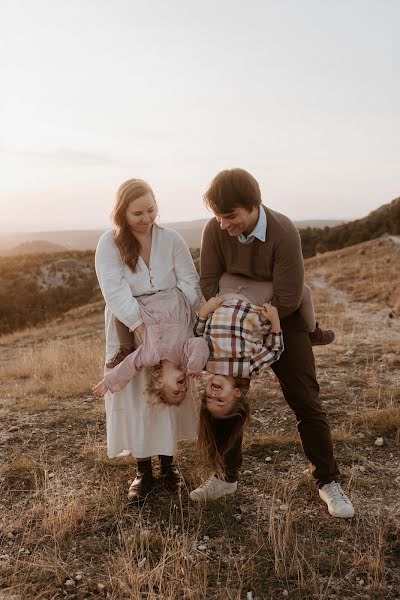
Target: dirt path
[{"x": 374, "y": 322}]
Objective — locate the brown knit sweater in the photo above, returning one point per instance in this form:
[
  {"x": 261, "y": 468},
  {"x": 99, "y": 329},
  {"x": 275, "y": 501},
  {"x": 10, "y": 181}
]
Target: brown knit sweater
[{"x": 279, "y": 259}]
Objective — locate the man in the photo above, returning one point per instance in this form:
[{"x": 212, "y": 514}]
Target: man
[{"x": 246, "y": 238}]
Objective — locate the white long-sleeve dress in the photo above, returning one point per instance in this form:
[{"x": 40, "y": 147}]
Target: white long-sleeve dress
[{"x": 135, "y": 425}]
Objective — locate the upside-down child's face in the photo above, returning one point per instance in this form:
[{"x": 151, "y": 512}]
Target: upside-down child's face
[
  {"x": 221, "y": 395},
  {"x": 173, "y": 381}
]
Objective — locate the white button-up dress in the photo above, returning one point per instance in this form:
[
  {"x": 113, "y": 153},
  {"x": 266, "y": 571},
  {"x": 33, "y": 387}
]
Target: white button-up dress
[{"x": 133, "y": 423}]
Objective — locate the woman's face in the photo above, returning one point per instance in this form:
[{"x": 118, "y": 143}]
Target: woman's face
[
  {"x": 141, "y": 213},
  {"x": 221, "y": 395}
]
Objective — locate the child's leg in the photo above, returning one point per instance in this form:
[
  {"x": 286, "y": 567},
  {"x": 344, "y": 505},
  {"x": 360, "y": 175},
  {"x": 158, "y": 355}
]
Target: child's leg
[
  {"x": 171, "y": 475},
  {"x": 306, "y": 308},
  {"x": 258, "y": 292},
  {"x": 125, "y": 336},
  {"x": 318, "y": 336},
  {"x": 126, "y": 344},
  {"x": 143, "y": 483}
]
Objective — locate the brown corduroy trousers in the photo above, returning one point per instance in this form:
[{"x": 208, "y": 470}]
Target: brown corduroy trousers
[{"x": 295, "y": 371}]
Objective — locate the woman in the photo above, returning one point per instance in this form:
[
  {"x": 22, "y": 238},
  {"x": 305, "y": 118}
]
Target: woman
[{"x": 135, "y": 259}]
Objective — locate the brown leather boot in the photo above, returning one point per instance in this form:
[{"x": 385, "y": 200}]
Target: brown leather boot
[
  {"x": 321, "y": 337},
  {"x": 119, "y": 357},
  {"x": 171, "y": 477},
  {"x": 143, "y": 483}
]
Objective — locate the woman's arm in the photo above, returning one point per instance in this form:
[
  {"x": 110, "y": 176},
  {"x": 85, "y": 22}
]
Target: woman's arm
[
  {"x": 187, "y": 279},
  {"x": 115, "y": 289}
]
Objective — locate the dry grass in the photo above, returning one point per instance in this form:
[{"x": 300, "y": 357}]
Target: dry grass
[
  {"x": 66, "y": 530},
  {"x": 61, "y": 368}
]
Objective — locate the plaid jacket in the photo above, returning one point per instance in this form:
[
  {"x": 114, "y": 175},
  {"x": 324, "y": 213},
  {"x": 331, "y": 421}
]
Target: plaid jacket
[{"x": 240, "y": 343}]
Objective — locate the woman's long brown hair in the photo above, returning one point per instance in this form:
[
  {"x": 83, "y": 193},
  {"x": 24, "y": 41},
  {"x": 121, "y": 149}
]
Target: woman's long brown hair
[
  {"x": 128, "y": 245},
  {"x": 212, "y": 453}
]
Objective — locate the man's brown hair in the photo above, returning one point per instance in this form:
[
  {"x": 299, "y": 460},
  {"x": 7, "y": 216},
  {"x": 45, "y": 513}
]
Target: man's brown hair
[{"x": 230, "y": 189}]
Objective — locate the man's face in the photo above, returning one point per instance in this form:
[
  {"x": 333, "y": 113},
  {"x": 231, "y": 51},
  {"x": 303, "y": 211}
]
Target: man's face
[{"x": 239, "y": 220}]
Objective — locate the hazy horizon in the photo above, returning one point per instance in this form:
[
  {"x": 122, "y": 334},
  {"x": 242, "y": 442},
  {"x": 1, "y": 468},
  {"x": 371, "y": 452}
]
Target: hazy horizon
[
  {"x": 109, "y": 225},
  {"x": 302, "y": 94}
]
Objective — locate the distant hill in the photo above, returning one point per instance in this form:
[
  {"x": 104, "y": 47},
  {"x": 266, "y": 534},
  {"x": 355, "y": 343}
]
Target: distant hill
[
  {"x": 39, "y": 287},
  {"x": 87, "y": 240},
  {"x": 317, "y": 235},
  {"x": 36, "y": 288},
  {"x": 37, "y": 247},
  {"x": 384, "y": 220}
]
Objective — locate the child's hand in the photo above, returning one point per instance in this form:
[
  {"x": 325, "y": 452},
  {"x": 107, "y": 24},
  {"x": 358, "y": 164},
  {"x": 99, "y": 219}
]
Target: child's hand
[
  {"x": 100, "y": 389},
  {"x": 271, "y": 314},
  {"x": 195, "y": 376},
  {"x": 210, "y": 306}
]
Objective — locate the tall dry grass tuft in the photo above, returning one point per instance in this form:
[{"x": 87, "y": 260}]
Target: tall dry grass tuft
[
  {"x": 157, "y": 562},
  {"x": 61, "y": 368}
]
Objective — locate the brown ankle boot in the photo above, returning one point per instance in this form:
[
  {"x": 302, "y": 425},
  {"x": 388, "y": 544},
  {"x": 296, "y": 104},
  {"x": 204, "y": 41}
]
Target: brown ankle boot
[
  {"x": 170, "y": 474},
  {"x": 119, "y": 357},
  {"x": 143, "y": 483},
  {"x": 321, "y": 337}
]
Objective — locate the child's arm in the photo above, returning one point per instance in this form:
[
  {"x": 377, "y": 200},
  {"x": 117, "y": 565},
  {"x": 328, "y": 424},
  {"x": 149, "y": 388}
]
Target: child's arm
[
  {"x": 196, "y": 353},
  {"x": 270, "y": 313},
  {"x": 270, "y": 353},
  {"x": 100, "y": 389},
  {"x": 120, "y": 376},
  {"x": 209, "y": 306},
  {"x": 205, "y": 311}
]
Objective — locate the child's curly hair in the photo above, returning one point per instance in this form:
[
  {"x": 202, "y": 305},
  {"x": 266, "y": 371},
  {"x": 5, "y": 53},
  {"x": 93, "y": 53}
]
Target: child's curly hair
[
  {"x": 212, "y": 453},
  {"x": 153, "y": 391}
]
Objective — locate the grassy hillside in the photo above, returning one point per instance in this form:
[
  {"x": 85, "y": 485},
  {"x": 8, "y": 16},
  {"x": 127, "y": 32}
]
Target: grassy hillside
[
  {"x": 35, "y": 288},
  {"x": 66, "y": 530},
  {"x": 384, "y": 220},
  {"x": 38, "y": 287}
]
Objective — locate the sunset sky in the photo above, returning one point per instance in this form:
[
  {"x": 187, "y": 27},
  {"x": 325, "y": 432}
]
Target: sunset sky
[{"x": 302, "y": 93}]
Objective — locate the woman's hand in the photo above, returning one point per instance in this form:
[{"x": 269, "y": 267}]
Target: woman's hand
[
  {"x": 210, "y": 306},
  {"x": 100, "y": 389},
  {"x": 139, "y": 332}
]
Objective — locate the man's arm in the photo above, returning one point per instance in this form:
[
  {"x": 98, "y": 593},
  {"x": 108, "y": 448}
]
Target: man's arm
[
  {"x": 288, "y": 273},
  {"x": 211, "y": 263}
]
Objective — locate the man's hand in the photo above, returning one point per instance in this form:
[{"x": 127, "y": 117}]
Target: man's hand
[
  {"x": 100, "y": 389},
  {"x": 270, "y": 313},
  {"x": 210, "y": 306}
]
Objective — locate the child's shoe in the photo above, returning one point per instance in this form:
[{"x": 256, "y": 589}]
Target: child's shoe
[
  {"x": 119, "y": 357},
  {"x": 170, "y": 475},
  {"x": 172, "y": 478},
  {"x": 212, "y": 489},
  {"x": 143, "y": 483},
  {"x": 321, "y": 337}
]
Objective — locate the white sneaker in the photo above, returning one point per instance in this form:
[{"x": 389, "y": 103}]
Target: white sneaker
[
  {"x": 338, "y": 503},
  {"x": 212, "y": 489}
]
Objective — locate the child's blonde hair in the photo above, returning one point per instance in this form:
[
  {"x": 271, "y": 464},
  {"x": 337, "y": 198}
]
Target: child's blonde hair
[
  {"x": 153, "y": 391},
  {"x": 214, "y": 455}
]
